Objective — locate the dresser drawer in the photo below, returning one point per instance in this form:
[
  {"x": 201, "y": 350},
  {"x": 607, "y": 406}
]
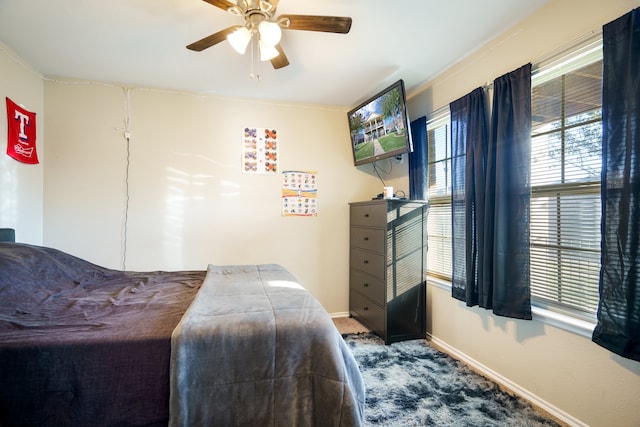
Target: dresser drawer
[
  {"x": 369, "y": 215},
  {"x": 370, "y": 286},
  {"x": 373, "y": 239},
  {"x": 369, "y": 262},
  {"x": 367, "y": 312}
]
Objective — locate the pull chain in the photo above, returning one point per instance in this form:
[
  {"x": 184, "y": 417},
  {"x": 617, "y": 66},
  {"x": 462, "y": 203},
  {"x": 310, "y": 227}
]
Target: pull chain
[{"x": 254, "y": 58}]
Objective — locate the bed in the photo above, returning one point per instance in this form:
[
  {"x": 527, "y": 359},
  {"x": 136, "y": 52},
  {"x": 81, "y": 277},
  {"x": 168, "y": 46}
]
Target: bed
[{"x": 230, "y": 345}]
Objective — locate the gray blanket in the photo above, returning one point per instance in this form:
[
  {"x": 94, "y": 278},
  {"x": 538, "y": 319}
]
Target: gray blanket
[{"x": 256, "y": 349}]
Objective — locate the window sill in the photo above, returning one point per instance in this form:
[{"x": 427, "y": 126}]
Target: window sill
[
  {"x": 562, "y": 321},
  {"x": 552, "y": 318}
]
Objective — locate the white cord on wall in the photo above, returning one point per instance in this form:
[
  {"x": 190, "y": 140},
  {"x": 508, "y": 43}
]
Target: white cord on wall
[{"x": 127, "y": 137}]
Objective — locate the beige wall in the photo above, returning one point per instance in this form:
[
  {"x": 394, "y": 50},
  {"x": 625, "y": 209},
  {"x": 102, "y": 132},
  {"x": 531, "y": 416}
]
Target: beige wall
[
  {"x": 190, "y": 204},
  {"x": 21, "y": 184},
  {"x": 572, "y": 376},
  {"x": 553, "y": 28}
]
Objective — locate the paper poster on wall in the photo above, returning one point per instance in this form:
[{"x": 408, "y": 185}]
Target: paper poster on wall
[
  {"x": 260, "y": 150},
  {"x": 299, "y": 193},
  {"x": 21, "y": 134}
]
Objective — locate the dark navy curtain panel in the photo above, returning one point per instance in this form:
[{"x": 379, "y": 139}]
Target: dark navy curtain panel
[
  {"x": 469, "y": 140},
  {"x": 618, "y": 327},
  {"x": 418, "y": 160},
  {"x": 508, "y": 193},
  {"x": 490, "y": 197}
]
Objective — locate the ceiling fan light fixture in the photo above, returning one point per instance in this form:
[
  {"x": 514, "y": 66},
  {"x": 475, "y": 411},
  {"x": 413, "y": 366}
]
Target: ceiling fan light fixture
[
  {"x": 239, "y": 39},
  {"x": 235, "y": 10},
  {"x": 267, "y": 52},
  {"x": 270, "y": 33},
  {"x": 266, "y": 6}
]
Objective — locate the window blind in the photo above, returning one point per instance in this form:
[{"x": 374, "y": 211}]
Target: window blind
[
  {"x": 439, "y": 193},
  {"x": 565, "y": 180}
]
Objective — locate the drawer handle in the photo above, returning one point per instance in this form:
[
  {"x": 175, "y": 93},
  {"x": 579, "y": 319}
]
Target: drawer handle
[
  {"x": 366, "y": 239},
  {"x": 366, "y": 261},
  {"x": 366, "y": 285},
  {"x": 366, "y": 308},
  {"x": 366, "y": 215}
]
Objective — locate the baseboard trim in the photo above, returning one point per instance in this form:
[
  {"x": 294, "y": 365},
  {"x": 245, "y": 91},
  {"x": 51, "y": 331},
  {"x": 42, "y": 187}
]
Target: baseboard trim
[
  {"x": 508, "y": 384},
  {"x": 340, "y": 314}
]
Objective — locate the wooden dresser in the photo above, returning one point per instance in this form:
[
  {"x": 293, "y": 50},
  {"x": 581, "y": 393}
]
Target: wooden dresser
[{"x": 387, "y": 290}]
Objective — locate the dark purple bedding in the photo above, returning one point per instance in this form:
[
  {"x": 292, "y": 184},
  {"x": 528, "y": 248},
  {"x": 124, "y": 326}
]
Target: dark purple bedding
[{"x": 83, "y": 345}]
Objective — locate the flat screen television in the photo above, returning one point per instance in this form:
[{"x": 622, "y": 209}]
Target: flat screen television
[{"x": 379, "y": 127}]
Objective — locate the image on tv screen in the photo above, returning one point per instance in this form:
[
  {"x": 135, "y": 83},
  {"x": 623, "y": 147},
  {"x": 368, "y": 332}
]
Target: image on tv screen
[{"x": 379, "y": 127}]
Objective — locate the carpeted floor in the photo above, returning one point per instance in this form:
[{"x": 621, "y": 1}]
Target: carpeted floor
[{"x": 413, "y": 384}]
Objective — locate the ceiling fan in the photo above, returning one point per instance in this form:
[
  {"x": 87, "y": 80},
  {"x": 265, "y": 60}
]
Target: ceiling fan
[{"x": 260, "y": 22}]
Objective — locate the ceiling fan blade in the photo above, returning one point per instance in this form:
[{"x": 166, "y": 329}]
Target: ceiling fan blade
[
  {"x": 281, "y": 60},
  {"x": 327, "y": 24},
  {"x": 213, "y": 39},
  {"x": 222, "y": 4}
]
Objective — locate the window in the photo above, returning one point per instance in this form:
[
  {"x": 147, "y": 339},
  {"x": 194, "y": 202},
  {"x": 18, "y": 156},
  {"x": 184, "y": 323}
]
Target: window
[
  {"x": 566, "y": 163},
  {"x": 565, "y": 184},
  {"x": 439, "y": 195}
]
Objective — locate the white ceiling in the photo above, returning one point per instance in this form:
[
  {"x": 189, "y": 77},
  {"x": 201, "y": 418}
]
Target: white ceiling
[{"x": 142, "y": 43}]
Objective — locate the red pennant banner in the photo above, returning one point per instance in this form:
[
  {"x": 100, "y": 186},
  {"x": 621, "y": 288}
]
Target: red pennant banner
[{"x": 21, "y": 139}]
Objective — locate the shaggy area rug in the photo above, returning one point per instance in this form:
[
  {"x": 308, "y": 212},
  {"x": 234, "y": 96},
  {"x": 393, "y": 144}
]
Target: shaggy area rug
[{"x": 412, "y": 384}]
